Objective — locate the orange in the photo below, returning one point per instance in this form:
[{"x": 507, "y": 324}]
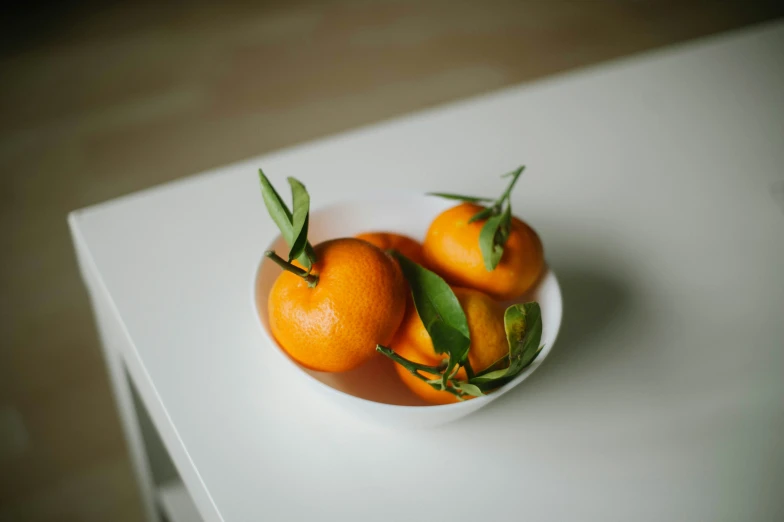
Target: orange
[
  {"x": 407, "y": 246},
  {"x": 488, "y": 342},
  {"x": 451, "y": 248},
  {"x": 357, "y": 303}
]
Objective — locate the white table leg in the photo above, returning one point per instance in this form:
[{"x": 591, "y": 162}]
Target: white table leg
[{"x": 111, "y": 337}]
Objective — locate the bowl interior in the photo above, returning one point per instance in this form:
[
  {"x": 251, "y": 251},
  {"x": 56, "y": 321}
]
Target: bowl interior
[{"x": 407, "y": 214}]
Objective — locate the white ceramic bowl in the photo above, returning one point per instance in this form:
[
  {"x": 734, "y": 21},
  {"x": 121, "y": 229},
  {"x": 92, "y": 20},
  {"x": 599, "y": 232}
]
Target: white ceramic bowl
[{"x": 374, "y": 390}]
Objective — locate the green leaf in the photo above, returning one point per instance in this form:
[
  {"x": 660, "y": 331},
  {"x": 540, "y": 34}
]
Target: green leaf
[
  {"x": 491, "y": 250},
  {"x": 299, "y": 221},
  {"x": 493, "y": 236},
  {"x": 487, "y": 377},
  {"x": 482, "y": 214},
  {"x": 302, "y": 249},
  {"x": 500, "y": 364},
  {"x": 515, "y": 176},
  {"x": 458, "y": 197},
  {"x": 411, "y": 366},
  {"x": 283, "y": 218},
  {"x": 449, "y": 340},
  {"x": 277, "y": 209},
  {"x": 506, "y": 226},
  {"x": 449, "y": 337},
  {"x": 514, "y": 173},
  {"x": 468, "y": 388},
  {"x": 523, "y": 325},
  {"x": 433, "y": 297},
  {"x": 439, "y": 310}
]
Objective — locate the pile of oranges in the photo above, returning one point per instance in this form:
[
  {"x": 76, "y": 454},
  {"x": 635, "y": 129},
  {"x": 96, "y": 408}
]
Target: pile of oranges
[{"x": 336, "y": 302}]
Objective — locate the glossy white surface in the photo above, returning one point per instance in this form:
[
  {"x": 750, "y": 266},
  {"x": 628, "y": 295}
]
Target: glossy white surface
[
  {"x": 374, "y": 391},
  {"x": 656, "y": 185}
]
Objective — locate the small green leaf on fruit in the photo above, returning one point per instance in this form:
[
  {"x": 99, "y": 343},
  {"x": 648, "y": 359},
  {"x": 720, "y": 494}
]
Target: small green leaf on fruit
[
  {"x": 283, "y": 218},
  {"x": 433, "y": 297},
  {"x": 299, "y": 221},
  {"x": 447, "y": 339},
  {"x": 505, "y": 227},
  {"x": 440, "y": 312},
  {"x": 482, "y": 214},
  {"x": 277, "y": 209},
  {"x": 523, "y": 325},
  {"x": 488, "y": 377},
  {"x": 523, "y": 340},
  {"x": 491, "y": 250}
]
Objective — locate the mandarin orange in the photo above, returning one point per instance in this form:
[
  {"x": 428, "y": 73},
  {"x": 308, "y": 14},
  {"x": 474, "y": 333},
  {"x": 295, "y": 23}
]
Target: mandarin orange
[
  {"x": 407, "y": 246},
  {"x": 488, "y": 342},
  {"x": 357, "y": 302},
  {"x": 451, "y": 249}
]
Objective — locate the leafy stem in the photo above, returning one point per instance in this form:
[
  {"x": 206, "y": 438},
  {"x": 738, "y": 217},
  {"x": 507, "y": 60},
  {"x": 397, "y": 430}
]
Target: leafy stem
[
  {"x": 415, "y": 368},
  {"x": 311, "y": 279},
  {"x": 523, "y": 326},
  {"x": 411, "y": 366},
  {"x": 497, "y": 217},
  {"x": 293, "y": 226},
  {"x": 515, "y": 174}
]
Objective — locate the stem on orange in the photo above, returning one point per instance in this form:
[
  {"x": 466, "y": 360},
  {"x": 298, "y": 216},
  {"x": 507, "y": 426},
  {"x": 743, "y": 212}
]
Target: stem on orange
[
  {"x": 515, "y": 174},
  {"x": 409, "y": 365},
  {"x": 311, "y": 279},
  {"x": 415, "y": 368}
]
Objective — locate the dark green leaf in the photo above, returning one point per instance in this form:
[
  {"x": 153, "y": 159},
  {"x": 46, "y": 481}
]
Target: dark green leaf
[
  {"x": 300, "y": 248},
  {"x": 498, "y": 253},
  {"x": 411, "y": 366},
  {"x": 482, "y": 214},
  {"x": 491, "y": 250},
  {"x": 444, "y": 335},
  {"x": 309, "y": 255},
  {"x": 432, "y": 296},
  {"x": 277, "y": 209},
  {"x": 505, "y": 227},
  {"x": 458, "y": 197},
  {"x": 299, "y": 221},
  {"x": 282, "y": 217},
  {"x": 439, "y": 310},
  {"x": 449, "y": 340}
]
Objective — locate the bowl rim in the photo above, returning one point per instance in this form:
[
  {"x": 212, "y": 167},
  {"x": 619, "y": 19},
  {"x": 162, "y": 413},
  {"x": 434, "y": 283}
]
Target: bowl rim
[{"x": 476, "y": 402}]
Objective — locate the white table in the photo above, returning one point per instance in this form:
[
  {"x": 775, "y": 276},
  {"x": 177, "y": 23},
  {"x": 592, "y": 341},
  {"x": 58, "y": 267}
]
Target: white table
[{"x": 657, "y": 184}]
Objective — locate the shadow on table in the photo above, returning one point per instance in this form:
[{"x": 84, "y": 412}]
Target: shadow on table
[{"x": 594, "y": 302}]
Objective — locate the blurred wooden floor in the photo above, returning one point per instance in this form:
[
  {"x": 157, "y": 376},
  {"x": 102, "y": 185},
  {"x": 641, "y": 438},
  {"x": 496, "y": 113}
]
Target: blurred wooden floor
[{"x": 97, "y": 102}]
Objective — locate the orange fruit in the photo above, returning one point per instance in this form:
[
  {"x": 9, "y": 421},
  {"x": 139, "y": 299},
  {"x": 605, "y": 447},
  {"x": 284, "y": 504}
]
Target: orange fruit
[
  {"x": 451, "y": 248},
  {"x": 407, "y": 246},
  {"x": 488, "y": 342},
  {"x": 357, "y": 303}
]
